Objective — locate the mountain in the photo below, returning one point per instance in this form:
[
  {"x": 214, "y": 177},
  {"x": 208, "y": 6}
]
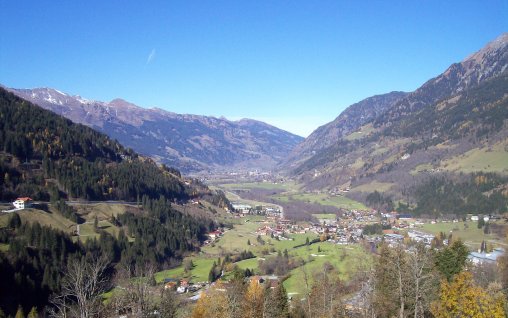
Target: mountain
[
  {"x": 53, "y": 160},
  {"x": 42, "y": 153},
  {"x": 188, "y": 142},
  {"x": 350, "y": 120},
  {"x": 455, "y": 122}
]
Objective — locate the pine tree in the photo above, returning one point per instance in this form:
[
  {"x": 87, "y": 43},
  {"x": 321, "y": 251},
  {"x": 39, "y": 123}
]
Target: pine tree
[
  {"x": 276, "y": 303},
  {"x": 452, "y": 259},
  {"x": 14, "y": 221}
]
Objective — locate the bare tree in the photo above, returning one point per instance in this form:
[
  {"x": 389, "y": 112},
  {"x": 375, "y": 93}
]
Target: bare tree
[
  {"x": 424, "y": 281},
  {"x": 84, "y": 282},
  {"x": 136, "y": 286}
]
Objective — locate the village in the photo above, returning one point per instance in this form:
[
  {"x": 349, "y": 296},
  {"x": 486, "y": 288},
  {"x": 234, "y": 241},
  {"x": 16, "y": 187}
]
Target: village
[{"x": 355, "y": 228}]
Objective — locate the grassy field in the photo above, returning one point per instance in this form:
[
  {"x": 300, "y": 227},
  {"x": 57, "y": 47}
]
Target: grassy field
[
  {"x": 199, "y": 273},
  {"x": 373, "y": 186},
  {"x": 470, "y": 234},
  {"x": 323, "y": 199},
  {"x": 261, "y": 185},
  {"x": 233, "y": 197},
  {"x": 325, "y": 216},
  {"x": 88, "y": 212},
  {"x": 364, "y": 131},
  {"x": 4, "y": 247},
  {"x": 421, "y": 168},
  {"x": 345, "y": 259},
  {"x": 483, "y": 159},
  {"x": 53, "y": 219}
]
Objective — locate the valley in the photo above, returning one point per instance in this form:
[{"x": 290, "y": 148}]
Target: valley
[{"x": 374, "y": 214}]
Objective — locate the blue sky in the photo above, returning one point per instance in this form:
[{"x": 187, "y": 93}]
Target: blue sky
[{"x": 294, "y": 64}]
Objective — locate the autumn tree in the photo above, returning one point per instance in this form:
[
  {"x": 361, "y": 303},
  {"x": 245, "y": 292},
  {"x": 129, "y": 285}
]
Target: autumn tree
[
  {"x": 253, "y": 300},
  {"x": 462, "y": 298},
  {"x": 212, "y": 304}
]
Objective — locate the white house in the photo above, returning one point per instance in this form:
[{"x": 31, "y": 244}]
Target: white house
[{"x": 22, "y": 203}]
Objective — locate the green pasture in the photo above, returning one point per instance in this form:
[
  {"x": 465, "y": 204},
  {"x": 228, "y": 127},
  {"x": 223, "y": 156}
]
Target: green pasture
[
  {"x": 470, "y": 234},
  {"x": 199, "y": 273},
  {"x": 322, "y": 199},
  {"x": 373, "y": 186},
  {"x": 261, "y": 185},
  {"x": 345, "y": 259},
  {"x": 494, "y": 159},
  {"x": 325, "y": 216}
]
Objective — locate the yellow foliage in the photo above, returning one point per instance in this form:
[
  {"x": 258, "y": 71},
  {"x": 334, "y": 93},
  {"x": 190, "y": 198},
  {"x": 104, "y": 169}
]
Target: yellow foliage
[
  {"x": 254, "y": 297},
  {"x": 461, "y": 298},
  {"x": 212, "y": 304}
]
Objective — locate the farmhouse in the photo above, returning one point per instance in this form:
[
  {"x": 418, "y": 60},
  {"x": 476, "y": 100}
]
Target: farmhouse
[
  {"x": 22, "y": 203},
  {"x": 214, "y": 235}
]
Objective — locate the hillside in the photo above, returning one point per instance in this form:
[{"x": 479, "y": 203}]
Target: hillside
[
  {"x": 438, "y": 129},
  {"x": 349, "y": 121},
  {"x": 188, "y": 142},
  {"x": 51, "y": 159}
]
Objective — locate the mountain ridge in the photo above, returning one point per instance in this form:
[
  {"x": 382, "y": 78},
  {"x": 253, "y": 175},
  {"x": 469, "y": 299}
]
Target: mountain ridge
[
  {"x": 186, "y": 141},
  {"x": 456, "y": 116}
]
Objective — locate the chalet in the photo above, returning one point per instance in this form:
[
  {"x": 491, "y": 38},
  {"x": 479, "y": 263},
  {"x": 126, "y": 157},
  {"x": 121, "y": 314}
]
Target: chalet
[
  {"x": 214, "y": 235},
  {"x": 22, "y": 203}
]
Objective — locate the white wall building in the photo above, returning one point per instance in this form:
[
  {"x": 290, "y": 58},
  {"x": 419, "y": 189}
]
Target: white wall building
[{"x": 22, "y": 203}]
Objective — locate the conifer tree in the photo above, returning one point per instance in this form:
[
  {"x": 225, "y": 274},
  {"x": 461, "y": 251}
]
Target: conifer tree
[{"x": 276, "y": 303}]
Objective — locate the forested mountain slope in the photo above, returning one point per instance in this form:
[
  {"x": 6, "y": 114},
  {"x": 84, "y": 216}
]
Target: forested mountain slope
[
  {"x": 41, "y": 148},
  {"x": 47, "y": 157}
]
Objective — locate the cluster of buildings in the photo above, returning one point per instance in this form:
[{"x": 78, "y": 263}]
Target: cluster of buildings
[{"x": 268, "y": 210}]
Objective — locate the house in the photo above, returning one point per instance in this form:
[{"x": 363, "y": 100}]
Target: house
[
  {"x": 480, "y": 258},
  {"x": 22, "y": 203},
  {"x": 214, "y": 235}
]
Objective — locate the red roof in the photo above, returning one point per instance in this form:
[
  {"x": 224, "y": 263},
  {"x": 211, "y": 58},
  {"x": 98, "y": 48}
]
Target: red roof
[{"x": 24, "y": 199}]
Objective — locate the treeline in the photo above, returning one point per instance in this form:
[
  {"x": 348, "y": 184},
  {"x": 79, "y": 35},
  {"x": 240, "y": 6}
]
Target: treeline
[
  {"x": 406, "y": 281},
  {"x": 477, "y": 193},
  {"x": 423, "y": 282},
  {"x": 86, "y": 163},
  {"x": 30, "y": 269},
  {"x": 163, "y": 234},
  {"x": 480, "y": 193}
]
